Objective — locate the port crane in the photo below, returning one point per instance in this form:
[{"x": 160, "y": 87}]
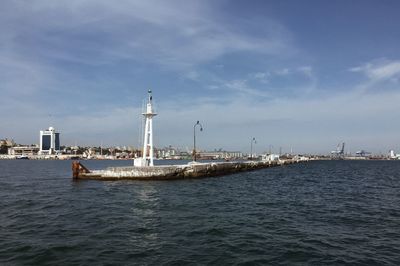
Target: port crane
[{"x": 339, "y": 152}]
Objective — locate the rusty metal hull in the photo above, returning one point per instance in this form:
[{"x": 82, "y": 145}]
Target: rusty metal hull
[{"x": 172, "y": 172}]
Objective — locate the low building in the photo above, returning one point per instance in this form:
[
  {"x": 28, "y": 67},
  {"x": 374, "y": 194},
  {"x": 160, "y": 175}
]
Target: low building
[
  {"x": 393, "y": 156},
  {"x": 270, "y": 157},
  {"x": 167, "y": 152},
  {"x": 23, "y": 150},
  {"x": 220, "y": 155}
]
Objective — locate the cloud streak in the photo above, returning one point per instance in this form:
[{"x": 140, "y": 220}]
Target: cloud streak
[
  {"x": 379, "y": 70},
  {"x": 174, "y": 34}
]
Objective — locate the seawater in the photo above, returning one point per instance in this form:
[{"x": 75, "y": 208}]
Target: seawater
[{"x": 316, "y": 213}]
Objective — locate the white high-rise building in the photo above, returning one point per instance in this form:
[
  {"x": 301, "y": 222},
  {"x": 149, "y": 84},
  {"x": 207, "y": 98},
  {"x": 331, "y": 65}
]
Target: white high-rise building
[
  {"x": 49, "y": 141},
  {"x": 393, "y": 155},
  {"x": 148, "y": 149}
]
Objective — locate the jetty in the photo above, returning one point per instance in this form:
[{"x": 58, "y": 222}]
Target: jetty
[
  {"x": 173, "y": 172},
  {"x": 144, "y": 169}
]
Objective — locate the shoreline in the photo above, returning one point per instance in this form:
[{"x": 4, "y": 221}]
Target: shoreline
[{"x": 74, "y": 157}]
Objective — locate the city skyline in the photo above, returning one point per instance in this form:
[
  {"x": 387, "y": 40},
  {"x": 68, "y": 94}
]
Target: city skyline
[{"x": 303, "y": 75}]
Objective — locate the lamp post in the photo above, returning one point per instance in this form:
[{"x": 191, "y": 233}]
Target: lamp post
[
  {"x": 251, "y": 147},
  {"x": 194, "y": 138}
]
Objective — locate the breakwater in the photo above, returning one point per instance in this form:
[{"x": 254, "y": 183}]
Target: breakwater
[{"x": 172, "y": 172}]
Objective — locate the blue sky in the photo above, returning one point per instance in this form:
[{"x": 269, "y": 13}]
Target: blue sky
[{"x": 293, "y": 74}]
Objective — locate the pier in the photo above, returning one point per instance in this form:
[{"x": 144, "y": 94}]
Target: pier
[
  {"x": 172, "y": 172},
  {"x": 143, "y": 168}
]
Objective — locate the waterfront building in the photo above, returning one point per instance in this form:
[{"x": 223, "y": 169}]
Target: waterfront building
[
  {"x": 24, "y": 150},
  {"x": 393, "y": 156},
  {"x": 167, "y": 152},
  {"x": 270, "y": 157},
  {"x": 49, "y": 142},
  {"x": 218, "y": 155}
]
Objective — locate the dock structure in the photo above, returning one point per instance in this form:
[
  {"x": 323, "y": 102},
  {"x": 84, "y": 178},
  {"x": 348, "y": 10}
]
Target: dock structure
[
  {"x": 143, "y": 168},
  {"x": 172, "y": 172}
]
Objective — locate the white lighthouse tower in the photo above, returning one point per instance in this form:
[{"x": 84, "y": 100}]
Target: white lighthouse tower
[{"x": 148, "y": 151}]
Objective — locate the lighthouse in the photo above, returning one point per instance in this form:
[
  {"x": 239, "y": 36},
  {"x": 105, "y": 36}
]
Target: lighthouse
[{"x": 148, "y": 150}]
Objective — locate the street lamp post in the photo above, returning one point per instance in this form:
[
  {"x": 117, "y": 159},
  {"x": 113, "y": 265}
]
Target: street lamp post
[
  {"x": 251, "y": 147},
  {"x": 270, "y": 148},
  {"x": 194, "y": 138}
]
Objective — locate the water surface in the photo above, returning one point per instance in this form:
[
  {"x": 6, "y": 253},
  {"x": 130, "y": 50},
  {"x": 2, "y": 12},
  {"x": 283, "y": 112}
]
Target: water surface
[{"x": 321, "y": 213}]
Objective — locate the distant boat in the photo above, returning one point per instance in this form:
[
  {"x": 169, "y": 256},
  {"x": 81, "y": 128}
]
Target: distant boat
[{"x": 22, "y": 157}]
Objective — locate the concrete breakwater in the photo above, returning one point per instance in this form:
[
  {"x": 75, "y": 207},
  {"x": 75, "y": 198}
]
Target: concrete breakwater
[{"x": 172, "y": 172}]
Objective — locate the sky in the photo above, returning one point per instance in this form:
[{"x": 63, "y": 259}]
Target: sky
[{"x": 300, "y": 75}]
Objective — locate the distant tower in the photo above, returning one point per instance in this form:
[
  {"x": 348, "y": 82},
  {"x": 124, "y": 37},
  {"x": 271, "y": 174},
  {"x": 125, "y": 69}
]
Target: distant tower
[
  {"x": 49, "y": 141},
  {"x": 148, "y": 151}
]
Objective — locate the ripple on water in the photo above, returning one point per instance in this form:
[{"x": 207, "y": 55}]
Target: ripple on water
[{"x": 321, "y": 213}]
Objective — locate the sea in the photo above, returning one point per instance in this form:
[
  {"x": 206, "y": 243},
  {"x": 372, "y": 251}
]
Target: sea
[{"x": 314, "y": 213}]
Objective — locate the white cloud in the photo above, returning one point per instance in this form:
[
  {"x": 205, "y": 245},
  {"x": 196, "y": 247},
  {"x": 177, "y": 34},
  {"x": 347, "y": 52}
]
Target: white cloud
[
  {"x": 283, "y": 72},
  {"x": 173, "y": 34},
  {"x": 379, "y": 70},
  {"x": 260, "y": 76},
  {"x": 213, "y": 87},
  {"x": 191, "y": 75},
  {"x": 306, "y": 70},
  {"x": 294, "y": 81},
  {"x": 240, "y": 86}
]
